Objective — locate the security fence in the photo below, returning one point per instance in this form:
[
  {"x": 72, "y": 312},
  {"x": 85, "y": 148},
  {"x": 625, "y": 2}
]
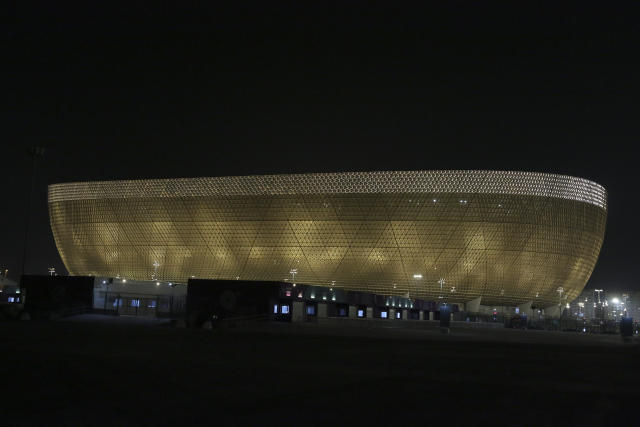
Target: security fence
[{"x": 140, "y": 305}]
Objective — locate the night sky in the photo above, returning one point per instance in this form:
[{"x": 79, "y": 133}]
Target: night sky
[{"x": 141, "y": 91}]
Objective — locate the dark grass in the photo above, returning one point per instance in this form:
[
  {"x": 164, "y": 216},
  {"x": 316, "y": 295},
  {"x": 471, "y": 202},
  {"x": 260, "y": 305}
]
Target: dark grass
[{"x": 87, "y": 373}]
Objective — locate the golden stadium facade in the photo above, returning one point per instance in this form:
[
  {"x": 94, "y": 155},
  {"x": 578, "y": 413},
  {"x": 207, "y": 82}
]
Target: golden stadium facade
[{"x": 508, "y": 237}]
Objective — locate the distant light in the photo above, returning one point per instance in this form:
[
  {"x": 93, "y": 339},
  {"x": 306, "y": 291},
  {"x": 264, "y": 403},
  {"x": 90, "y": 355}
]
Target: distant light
[
  {"x": 435, "y": 200},
  {"x": 615, "y": 300},
  {"x": 157, "y": 283},
  {"x": 104, "y": 282},
  {"x": 170, "y": 284},
  {"x": 417, "y": 276},
  {"x": 124, "y": 280},
  {"x": 324, "y": 297},
  {"x": 333, "y": 298}
]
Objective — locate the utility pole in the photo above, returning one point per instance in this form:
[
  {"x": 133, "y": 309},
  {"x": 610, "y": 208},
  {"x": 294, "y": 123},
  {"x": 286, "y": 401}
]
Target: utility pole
[{"x": 34, "y": 153}]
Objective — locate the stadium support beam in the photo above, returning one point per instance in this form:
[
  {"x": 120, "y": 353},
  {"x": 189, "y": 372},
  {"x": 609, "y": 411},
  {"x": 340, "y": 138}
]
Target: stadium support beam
[{"x": 473, "y": 306}]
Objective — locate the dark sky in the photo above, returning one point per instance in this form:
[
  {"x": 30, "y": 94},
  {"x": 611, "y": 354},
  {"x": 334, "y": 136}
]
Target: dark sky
[{"x": 141, "y": 90}]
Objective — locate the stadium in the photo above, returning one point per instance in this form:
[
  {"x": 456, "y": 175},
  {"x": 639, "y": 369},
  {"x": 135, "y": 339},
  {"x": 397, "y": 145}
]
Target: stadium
[{"x": 503, "y": 238}]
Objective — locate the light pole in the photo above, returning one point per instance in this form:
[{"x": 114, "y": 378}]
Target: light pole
[
  {"x": 417, "y": 276},
  {"x": 441, "y": 282},
  {"x": 155, "y": 264},
  {"x": 616, "y": 307},
  {"x": 581, "y": 305},
  {"x": 293, "y": 273},
  {"x": 560, "y": 290},
  {"x": 35, "y": 153}
]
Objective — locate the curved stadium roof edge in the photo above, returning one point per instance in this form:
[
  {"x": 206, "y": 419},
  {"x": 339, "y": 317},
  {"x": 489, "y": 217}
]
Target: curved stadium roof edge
[{"x": 434, "y": 181}]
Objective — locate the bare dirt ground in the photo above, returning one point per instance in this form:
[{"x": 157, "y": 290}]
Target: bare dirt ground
[{"x": 96, "y": 370}]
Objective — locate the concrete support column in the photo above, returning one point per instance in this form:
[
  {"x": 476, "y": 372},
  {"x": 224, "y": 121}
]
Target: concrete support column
[
  {"x": 431, "y": 315},
  {"x": 369, "y": 312},
  {"x": 405, "y": 314},
  {"x": 473, "y": 306},
  {"x": 322, "y": 309},
  {"x": 421, "y": 315},
  {"x": 297, "y": 311},
  {"x": 353, "y": 312},
  {"x": 392, "y": 313}
]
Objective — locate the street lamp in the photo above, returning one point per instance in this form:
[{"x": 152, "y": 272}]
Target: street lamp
[
  {"x": 155, "y": 264},
  {"x": 441, "y": 282},
  {"x": 293, "y": 273},
  {"x": 560, "y": 290},
  {"x": 417, "y": 276}
]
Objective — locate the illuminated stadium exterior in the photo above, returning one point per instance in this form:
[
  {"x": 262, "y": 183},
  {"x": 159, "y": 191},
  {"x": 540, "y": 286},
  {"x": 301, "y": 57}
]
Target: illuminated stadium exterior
[{"x": 507, "y": 237}]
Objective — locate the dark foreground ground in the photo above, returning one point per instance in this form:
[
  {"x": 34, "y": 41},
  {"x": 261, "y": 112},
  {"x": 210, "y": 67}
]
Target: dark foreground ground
[{"x": 118, "y": 372}]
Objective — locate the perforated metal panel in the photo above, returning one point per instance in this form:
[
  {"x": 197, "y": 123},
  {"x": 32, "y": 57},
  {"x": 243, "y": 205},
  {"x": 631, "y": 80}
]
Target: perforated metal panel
[{"x": 509, "y": 237}]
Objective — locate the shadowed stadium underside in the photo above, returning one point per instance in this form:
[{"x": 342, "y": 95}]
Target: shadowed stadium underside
[{"x": 508, "y": 237}]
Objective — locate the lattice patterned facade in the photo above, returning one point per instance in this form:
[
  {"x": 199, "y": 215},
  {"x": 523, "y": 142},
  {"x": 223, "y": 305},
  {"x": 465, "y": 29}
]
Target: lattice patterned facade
[{"x": 509, "y": 237}]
